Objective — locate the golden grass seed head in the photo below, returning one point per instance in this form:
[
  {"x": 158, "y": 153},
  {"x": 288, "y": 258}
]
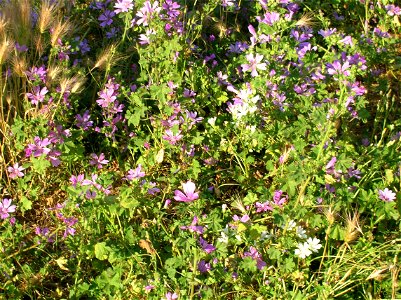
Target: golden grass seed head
[
  {"x": 19, "y": 65},
  {"x": 59, "y": 30},
  {"x": 307, "y": 20},
  {"x": 352, "y": 228},
  {"x": 6, "y": 47},
  {"x": 46, "y": 15}
]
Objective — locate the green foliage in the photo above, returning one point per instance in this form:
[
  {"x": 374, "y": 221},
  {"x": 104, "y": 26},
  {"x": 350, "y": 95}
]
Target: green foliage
[{"x": 244, "y": 151}]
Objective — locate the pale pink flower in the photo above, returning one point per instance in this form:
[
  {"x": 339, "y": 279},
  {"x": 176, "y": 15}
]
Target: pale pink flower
[
  {"x": 254, "y": 63},
  {"x": 386, "y": 195},
  {"x": 15, "y": 171},
  {"x": 123, "y": 6},
  {"x": 6, "y": 208},
  {"x": 145, "y": 13},
  {"x": 171, "y": 137},
  {"x": 189, "y": 193},
  {"x": 171, "y": 296}
]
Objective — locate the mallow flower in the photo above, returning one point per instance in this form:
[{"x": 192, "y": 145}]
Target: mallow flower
[
  {"x": 386, "y": 195},
  {"x": 6, "y": 208},
  {"x": 189, "y": 194}
]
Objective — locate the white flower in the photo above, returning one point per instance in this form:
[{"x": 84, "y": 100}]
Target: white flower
[
  {"x": 303, "y": 250},
  {"x": 301, "y": 232},
  {"x": 290, "y": 226},
  {"x": 314, "y": 244},
  {"x": 265, "y": 235},
  {"x": 224, "y": 238},
  {"x": 212, "y": 121}
]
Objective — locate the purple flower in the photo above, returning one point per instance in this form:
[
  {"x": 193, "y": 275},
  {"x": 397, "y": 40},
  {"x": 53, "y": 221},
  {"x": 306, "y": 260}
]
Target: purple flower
[
  {"x": 172, "y": 9},
  {"x": 208, "y": 248},
  {"x": 35, "y": 73},
  {"x": 15, "y": 171},
  {"x": 123, "y": 6},
  {"x": 347, "y": 41},
  {"x": 393, "y": 10},
  {"x": 38, "y": 148},
  {"x": 21, "y": 48},
  {"x": 98, "y": 161},
  {"x": 203, "y": 266},
  {"x": 84, "y": 121},
  {"x": 386, "y": 195},
  {"x": 111, "y": 33},
  {"x": 6, "y": 208},
  {"x": 353, "y": 173},
  {"x": 144, "y": 39},
  {"x": 238, "y": 47},
  {"x": 255, "y": 255},
  {"x": 326, "y": 33},
  {"x": 84, "y": 46},
  {"x": 69, "y": 231},
  {"x": 145, "y": 13},
  {"x": 149, "y": 287},
  {"x": 193, "y": 227},
  {"x": 188, "y": 93},
  {"x": 77, "y": 179},
  {"x": 106, "y": 18},
  {"x": 92, "y": 182},
  {"x": 153, "y": 189},
  {"x": 189, "y": 193},
  {"x": 269, "y": 18},
  {"x": 135, "y": 174},
  {"x": 37, "y": 95},
  {"x": 337, "y": 69},
  {"x": 45, "y": 232}
]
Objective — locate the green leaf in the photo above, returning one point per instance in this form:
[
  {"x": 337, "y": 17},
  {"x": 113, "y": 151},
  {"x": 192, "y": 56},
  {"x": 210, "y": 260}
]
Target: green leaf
[
  {"x": 289, "y": 265},
  {"x": 274, "y": 253},
  {"x": 25, "y": 204},
  {"x": 101, "y": 251},
  {"x": 248, "y": 264},
  {"x": 40, "y": 164}
]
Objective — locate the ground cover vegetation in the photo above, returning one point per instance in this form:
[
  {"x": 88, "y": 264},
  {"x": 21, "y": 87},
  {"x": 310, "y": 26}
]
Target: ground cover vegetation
[{"x": 185, "y": 149}]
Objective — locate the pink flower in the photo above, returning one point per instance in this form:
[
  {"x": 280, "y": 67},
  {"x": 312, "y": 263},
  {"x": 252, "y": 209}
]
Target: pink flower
[
  {"x": 149, "y": 287},
  {"x": 253, "y": 252},
  {"x": 243, "y": 219},
  {"x": 279, "y": 199},
  {"x": 107, "y": 97},
  {"x": 15, "y": 171},
  {"x": 189, "y": 193},
  {"x": 171, "y": 296},
  {"x": 263, "y": 207},
  {"x": 171, "y": 137},
  {"x": 386, "y": 195},
  {"x": 6, "y": 208},
  {"x": 193, "y": 227},
  {"x": 135, "y": 174}
]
